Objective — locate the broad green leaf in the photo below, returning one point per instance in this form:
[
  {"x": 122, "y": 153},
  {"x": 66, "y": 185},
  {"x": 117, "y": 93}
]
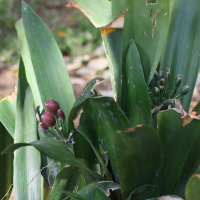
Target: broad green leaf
[
  {"x": 99, "y": 12},
  {"x": 191, "y": 165},
  {"x": 66, "y": 179},
  {"x": 27, "y": 161},
  {"x": 99, "y": 195},
  {"x": 82, "y": 149},
  {"x": 192, "y": 191},
  {"x": 88, "y": 191},
  {"x": 49, "y": 68},
  {"x": 111, "y": 118},
  {"x": 112, "y": 43},
  {"x": 139, "y": 116},
  {"x": 6, "y": 163},
  {"x": 139, "y": 160},
  {"x": 176, "y": 141},
  {"x": 135, "y": 81},
  {"x": 57, "y": 150},
  {"x": 182, "y": 48},
  {"x": 7, "y": 114},
  {"x": 72, "y": 195},
  {"x": 118, "y": 6},
  {"x": 85, "y": 135},
  {"x": 146, "y": 24},
  {"x": 170, "y": 197}
]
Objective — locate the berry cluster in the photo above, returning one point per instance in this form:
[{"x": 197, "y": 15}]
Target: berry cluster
[
  {"x": 159, "y": 88},
  {"x": 53, "y": 117}
]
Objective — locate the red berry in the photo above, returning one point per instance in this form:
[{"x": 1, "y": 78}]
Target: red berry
[
  {"x": 61, "y": 114},
  {"x": 52, "y": 106},
  {"x": 43, "y": 127},
  {"x": 48, "y": 119}
]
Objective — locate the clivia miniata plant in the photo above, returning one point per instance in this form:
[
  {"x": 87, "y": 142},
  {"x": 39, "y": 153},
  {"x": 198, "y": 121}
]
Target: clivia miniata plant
[{"x": 140, "y": 145}]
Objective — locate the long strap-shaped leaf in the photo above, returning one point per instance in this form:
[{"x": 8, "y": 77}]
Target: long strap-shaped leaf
[
  {"x": 82, "y": 147},
  {"x": 112, "y": 39},
  {"x": 191, "y": 165},
  {"x": 111, "y": 118},
  {"x": 147, "y": 25},
  {"x": 176, "y": 141},
  {"x": 139, "y": 160},
  {"x": 183, "y": 45},
  {"x": 27, "y": 161},
  {"x": 57, "y": 150},
  {"x": 85, "y": 135},
  {"x": 46, "y": 66},
  {"x": 135, "y": 82}
]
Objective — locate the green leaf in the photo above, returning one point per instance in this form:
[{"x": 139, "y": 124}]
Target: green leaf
[
  {"x": 139, "y": 116},
  {"x": 95, "y": 10},
  {"x": 85, "y": 135},
  {"x": 176, "y": 141},
  {"x": 66, "y": 179},
  {"x": 57, "y": 150},
  {"x": 72, "y": 195},
  {"x": 7, "y": 114},
  {"x": 182, "y": 48},
  {"x": 49, "y": 173},
  {"x": 6, "y": 163},
  {"x": 49, "y": 69},
  {"x": 82, "y": 149},
  {"x": 88, "y": 191},
  {"x": 139, "y": 160},
  {"x": 50, "y": 167},
  {"x": 111, "y": 118},
  {"x": 135, "y": 81},
  {"x": 118, "y": 6},
  {"x": 99, "y": 195},
  {"x": 112, "y": 44},
  {"x": 146, "y": 24},
  {"x": 30, "y": 74},
  {"x": 192, "y": 191},
  {"x": 191, "y": 165},
  {"x": 27, "y": 161}
]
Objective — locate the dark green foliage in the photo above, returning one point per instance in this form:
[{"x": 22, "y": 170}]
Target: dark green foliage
[{"x": 106, "y": 149}]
